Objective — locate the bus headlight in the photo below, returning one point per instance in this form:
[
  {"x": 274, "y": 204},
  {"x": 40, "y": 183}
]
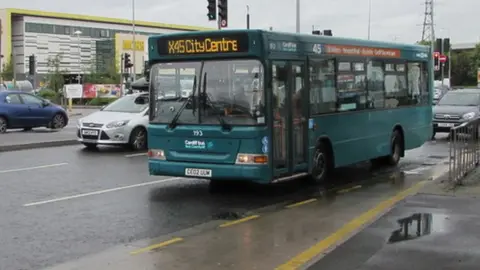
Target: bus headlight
[
  {"x": 245, "y": 159},
  {"x": 156, "y": 154}
]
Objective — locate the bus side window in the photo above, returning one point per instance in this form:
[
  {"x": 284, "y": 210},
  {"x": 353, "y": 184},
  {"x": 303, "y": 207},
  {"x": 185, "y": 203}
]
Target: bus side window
[
  {"x": 351, "y": 90},
  {"x": 414, "y": 82},
  {"x": 396, "y": 88},
  {"x": 376, "y": 85},
  {"x": 322, "y": 84},
  {"x": 424, "y": 85}
]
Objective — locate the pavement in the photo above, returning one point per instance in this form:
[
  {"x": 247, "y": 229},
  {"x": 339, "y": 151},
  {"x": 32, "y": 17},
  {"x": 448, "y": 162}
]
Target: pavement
[
  {"x": 42, "y": 137},
  {"x": 72, "y": 208}
]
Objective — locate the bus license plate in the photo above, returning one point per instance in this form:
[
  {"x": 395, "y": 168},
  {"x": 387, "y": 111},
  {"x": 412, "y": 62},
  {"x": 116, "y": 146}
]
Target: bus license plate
[
  {"x": 446, "y": 124},
  {"x": 90, "y": 132},
  {"x": 198, "y": 172}
]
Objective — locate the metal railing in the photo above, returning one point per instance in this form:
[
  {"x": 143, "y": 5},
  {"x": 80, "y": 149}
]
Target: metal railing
[{"x": 464, "y": 150}]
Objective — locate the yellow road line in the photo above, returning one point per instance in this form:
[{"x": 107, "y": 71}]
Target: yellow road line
[
  {"x": 345, "y": 190},
  {"x": 157, "y": 246},
  {"x": 301, "y": 203},
  {"x": 348, "y": 229},
  {"x": 245, "y": 219}
]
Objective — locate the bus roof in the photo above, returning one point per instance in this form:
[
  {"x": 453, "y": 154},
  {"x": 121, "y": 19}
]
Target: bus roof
[
  {"x": 308, "y": 38},
  {"x": 260, "y": 43}
]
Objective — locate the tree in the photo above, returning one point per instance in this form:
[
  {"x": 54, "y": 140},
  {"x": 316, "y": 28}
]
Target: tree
[
  {"x": 463, "y": 71},
  {"x": 424, "y": 42},
  {"x": 475, "y": 58},
  {"x": 7, "y": 70},
  {"x": 55, "y": 74},
  {"x": 111, "y": 74}
]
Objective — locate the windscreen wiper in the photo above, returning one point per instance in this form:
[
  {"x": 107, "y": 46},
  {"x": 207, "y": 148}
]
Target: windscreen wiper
[
  {"x": 174, "y": 121},
  {"x": 208, "y": 101}
]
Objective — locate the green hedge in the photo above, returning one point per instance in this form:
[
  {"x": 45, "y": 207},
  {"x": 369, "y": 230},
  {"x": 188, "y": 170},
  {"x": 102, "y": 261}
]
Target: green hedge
[
  {"x": 100, "y": 101},
  {"x": 48, "y": 94}
]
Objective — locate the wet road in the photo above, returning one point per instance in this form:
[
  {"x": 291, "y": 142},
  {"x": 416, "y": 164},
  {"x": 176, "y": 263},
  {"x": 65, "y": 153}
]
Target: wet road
[{"x": 64, "y": 203}]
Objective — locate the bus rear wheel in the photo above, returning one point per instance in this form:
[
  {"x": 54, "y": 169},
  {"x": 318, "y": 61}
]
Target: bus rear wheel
[{"x": 322, "y": 164}]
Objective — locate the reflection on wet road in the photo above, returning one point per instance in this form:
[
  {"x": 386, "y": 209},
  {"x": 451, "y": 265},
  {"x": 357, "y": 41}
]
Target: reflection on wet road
[
  {"x": 96, "y": 200},
  {"x": 429, "y": 232}
]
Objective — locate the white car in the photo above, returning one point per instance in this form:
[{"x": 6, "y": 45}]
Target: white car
[{"x": 123, "y": 122}]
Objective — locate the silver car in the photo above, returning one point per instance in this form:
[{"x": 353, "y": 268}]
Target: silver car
[
  {"x": 455, "y": 108},
  {"x": 123, "y": 122}
]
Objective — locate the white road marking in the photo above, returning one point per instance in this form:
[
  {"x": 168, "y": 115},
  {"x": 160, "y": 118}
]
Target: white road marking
[
  {"x": 101, "y": 192},
  {"x": 135, "y": 155},
  {"x": 418, "y": 170},
  {"x": 34, "y": 168}
]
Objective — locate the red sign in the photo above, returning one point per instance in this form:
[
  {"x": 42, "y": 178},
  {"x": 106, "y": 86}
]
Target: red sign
[
  {"x": 442, "y": 58},
  {"x": 361, "y": 51},
  {"x": 436, "y": 54}
]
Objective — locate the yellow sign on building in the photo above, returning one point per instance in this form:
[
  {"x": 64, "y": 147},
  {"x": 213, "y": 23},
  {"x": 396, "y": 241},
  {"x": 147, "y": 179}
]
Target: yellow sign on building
[{"x": 128, "y": 44}]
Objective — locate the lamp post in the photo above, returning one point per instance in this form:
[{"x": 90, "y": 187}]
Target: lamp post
[
  {"x": 134, "y": 45},
  {"x": 369, "y": 18},
  {"x": 298, "y": 16},
  {"x": 79, "y": 77}
]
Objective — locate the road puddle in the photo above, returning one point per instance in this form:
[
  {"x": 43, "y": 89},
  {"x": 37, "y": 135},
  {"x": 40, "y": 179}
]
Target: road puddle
[{"x": 419, "y": 225}]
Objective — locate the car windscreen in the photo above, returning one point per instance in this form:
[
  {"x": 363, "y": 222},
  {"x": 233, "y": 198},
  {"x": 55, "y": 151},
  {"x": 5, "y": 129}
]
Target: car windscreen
[
  {"x": 460, "y": 99},
  {"x": 128, "y": 104}
]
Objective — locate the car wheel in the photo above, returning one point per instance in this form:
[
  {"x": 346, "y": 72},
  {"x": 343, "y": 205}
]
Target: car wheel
[
  {"x": 3, "y": 125},
  {"x": 58, "y": 121},
  {"x": 138, "y": 139}
]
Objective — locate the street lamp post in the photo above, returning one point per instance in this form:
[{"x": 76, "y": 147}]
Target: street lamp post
[
  {"x": 78, "y": 33},
  {"x": 298, "y": 17},
  {"x": 369, "y": 17},
  {"x": 134, "y": 45}
]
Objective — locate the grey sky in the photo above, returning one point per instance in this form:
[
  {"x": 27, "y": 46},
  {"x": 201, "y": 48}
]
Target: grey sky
[{"x": 391, "y": 19}]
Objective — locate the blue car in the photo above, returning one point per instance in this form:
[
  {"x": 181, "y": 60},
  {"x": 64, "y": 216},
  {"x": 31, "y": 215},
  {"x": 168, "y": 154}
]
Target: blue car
[{"x": 26, "y": 111}]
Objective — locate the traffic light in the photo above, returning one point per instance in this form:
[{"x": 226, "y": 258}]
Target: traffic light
[
  {"x": 146, "y": 70},
  {"x": 212, "y": 10},
  {"x": 126, "y": 61},
  {"x": 31, "y": 64},
  {"x": 446, "y": 45},
  {"x": 438, "y": 46},
  {"x": 223, "y": 12}
]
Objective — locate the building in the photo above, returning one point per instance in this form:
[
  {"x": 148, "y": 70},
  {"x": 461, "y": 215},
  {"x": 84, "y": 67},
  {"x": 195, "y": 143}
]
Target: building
[
  {"x": 464, "y": 46},
  {"x": 83, "y": 42}
]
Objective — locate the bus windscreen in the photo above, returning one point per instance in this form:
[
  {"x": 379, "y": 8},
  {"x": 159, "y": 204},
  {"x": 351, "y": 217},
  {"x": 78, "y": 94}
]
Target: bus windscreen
[{"x": 203, "y": 44}]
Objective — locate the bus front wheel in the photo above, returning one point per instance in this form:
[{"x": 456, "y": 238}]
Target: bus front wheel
[
  {"x": 322, "y": 164},
  {"x": 396, "y": 148}
]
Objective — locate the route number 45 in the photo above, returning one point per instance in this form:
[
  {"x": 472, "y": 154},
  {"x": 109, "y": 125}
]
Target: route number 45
[
  {"x": 317, "y": 48},
  {"x": 197, "y": 133}
]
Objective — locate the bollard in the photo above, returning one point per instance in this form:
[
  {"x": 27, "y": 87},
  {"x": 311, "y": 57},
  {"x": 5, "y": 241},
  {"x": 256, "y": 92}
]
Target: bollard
[{"x": 70, "y": 104}]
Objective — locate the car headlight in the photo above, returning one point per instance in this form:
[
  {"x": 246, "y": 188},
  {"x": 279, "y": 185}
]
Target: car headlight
[
  {"x": 117, "y": 124},
  {"x": 469, "y": 115}
]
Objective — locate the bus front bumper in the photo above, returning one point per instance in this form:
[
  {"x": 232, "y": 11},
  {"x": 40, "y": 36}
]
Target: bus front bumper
[{"x": 224, "y": 172}]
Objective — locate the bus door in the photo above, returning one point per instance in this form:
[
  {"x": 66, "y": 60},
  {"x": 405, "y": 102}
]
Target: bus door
[
  {"x": 289, "y": 118},
  {"x": 298, "y": 124}
]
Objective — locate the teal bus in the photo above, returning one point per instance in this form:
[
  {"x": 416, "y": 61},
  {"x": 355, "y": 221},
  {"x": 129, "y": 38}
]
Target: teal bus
[{"x": 264, "y": 106}]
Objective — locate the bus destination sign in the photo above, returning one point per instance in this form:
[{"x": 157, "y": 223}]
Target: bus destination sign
[{"x": 191, "y": 45}]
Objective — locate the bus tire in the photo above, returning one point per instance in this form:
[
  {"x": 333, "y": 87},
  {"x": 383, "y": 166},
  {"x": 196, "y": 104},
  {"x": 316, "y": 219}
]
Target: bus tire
[
  {"x": 322, "y": 164},
  {"x": 396, "y": 148}
]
